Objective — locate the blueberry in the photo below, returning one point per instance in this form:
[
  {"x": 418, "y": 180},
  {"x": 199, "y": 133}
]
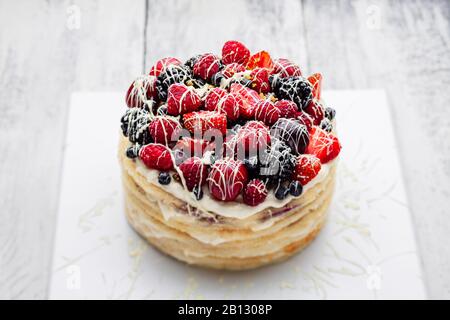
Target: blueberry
[
  {"x": 216, "y": 79},
  {"x": 198, "y": 192},
  {"x": 252, "y": 166},
  {"x": 330, "y": 113},
  {"x": 281, "y": 192},
  {"x": 164, "y": 178},
  {"x": 326, "y": 125},
  {"x": 132, "y": 152},
  {"x": 295, "y": 188}
]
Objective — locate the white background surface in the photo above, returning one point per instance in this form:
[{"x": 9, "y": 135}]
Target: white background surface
[
  {"x": 401, "y": 46},
  {"x": 366, "y": 250}
]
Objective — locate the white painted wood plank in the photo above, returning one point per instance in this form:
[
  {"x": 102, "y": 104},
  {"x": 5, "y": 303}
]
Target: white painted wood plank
[
  {"x": 402, "y": 46},
  {"x": 41, "y": 61}
]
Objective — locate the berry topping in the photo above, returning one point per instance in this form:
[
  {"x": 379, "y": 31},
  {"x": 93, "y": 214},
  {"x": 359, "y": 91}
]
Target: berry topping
[
  {"x": 194, "y": 172},
  {"x": 266, "y": 112},
  {"x": 188, "y": 147},
  {"x": 307, "y": 167},
  {"x": 323, "y": 145},
  {"x": 296, "y": 89},
  {"x": 293, "y": 133},
  {"x": 255, "y": 192},
  {"x": 249, "y": 100},
  {"x": 198, "y": 192},
  {"x": 161, "y": 65},
  {"x": 316, "y": 111},
  {"x": 156, "y": 156},
  {"x": 227, "y": 179},
  {"x": 206, "y": 66},
  {"x": 261, "y": 59},
  {"x": 173, "y": 74},
  {"x": 252, "y": 137},
  {"x": 200, "y": 121},
  {"x": 330, "y": 113},
  {"x": 281, "y": 192},
  {"x": 231, "y": 69},
  {"x": 221, "y": 101},
  {"x": 277, "y": 163},
  {"x": 295, "y": 188},
  {"x": 285, "y": 68},
  {"x": 132, "y": 152},
  {"x": 260, "y": 80},
  {"x": 182, "y": 99},
  {"x": 288, "y": 109},
  {"x": 326, "y": 125},
  {"x": 191, "y": 61},
  {"x": 316, "y": 82},
  {"x": 162, "y": 129},
  {"x": 164, "y": 178},
  {"x": 213, "y": 97},
  {"x": 234, "y": 51},
  {"x": 135, "y": 124},
  {"x": 305, "y": 119},
  {"x": 140, "y": 91}
]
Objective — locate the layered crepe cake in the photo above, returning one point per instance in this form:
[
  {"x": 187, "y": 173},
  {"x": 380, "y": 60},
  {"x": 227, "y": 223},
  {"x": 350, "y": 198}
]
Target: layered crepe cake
[{"x": 228, "y": 161}]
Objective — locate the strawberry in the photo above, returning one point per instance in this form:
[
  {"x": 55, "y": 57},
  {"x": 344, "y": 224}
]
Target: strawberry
[
  {"x": 182, "y": 99},
  {"x": 213, "y": 97},
  {"x": 316, "y": 82},
  {"x": 261, "y": 59},
  {"x": 156, "y": 156},
  {"x": 253, "y": 137},
  {"x": 285, "y": 68},
  {"x": 162, "y": 129},
  {"x": 141, "y": 90},
  {"x": 227, "y": 179},
  {"x": 316, "y": 110},
  {"x": 306, "y": 168},
  {"x": 194, "y": 172},
  {"x": 249, "y": 99},
  {"x": 260, "y": 80},
  {"x": 305, "y": 119},
  {"x": 255, "y": 192},
  {"x": 161, "y": 65},
  {"x": 266, "y": 112},
  {"x": 288, "y": 109},
  {"x": 206, "y": 66},
  {"x": 231, "y": 69},
  {"x": 323, "y": 145},
  {"x": 201, "y": 121},
  {"x": 234, "y": 51}
]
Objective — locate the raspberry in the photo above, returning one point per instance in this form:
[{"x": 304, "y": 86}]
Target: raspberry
[
  {"x": 194, "y": 172},
  {"x": 305, "y": 119},
  {"x": 255, "y": 192},
  {"x": 156, "y": 156},
  {"x": 316, "y": 111},
  {"x": 161, "y": 65},
  {"x": 182, "y": 99},
  {"x": 260, "y": 80},
  {"x": 234, "y": 51},
  {"x": 227, "y": 179},
  {"x": 323, "y": 145},
  {"x": 206, "y": 66},
  {"x": 306, "y": 168},
  {"x": 288, "y": 109},
  {"x": 162, "y": 129},
  {"x": 249, "y": 99},
  {"x": 293, "y": 133},
  {"x": 261, "y": 59},
  {"x": 266, "y": 112},
  {"x": 285, "y": 68},
  {"x": 213, "y": 97},
  {"x": 191, "y": 146},
  {"x": 316, "y": 82},
  {"x": 231, "y": 69},
  {"x": 201, "y": 121},
  {"x": 140, "y": 91},
  {"x": 253, "y": 137}
]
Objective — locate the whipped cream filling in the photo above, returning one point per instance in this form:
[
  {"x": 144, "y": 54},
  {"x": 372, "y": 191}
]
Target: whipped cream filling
[{"x": 234, "y": 209}]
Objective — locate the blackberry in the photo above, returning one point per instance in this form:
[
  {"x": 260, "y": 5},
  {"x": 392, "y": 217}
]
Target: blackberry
[
  {"x": 277, "y": 163},
  {"x": 295, "y": 188},
  {"x": 330, "y": 113},
  {"x": 296, "y": 89},
  {"x": 191, "y": 61},
  {"x": 132, "y": 152},
  {"x": 198, "y": 192},
  {"x": 135, "y": 124},
  {"x": 196, "y": 82},
  {"x": 164, "y": 178},
  {"x": 281, "y": 192},
  {"x": 173, "y": 74},
  {"x": 292, "y": 133},
  {"x": 326, "y": 125}
]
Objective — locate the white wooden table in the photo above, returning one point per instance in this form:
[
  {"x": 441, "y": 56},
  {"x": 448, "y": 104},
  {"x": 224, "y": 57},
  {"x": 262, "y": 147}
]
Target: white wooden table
[{"x": 49, "y": 49}]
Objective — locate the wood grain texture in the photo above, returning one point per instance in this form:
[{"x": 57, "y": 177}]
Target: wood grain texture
[
  {"x": 402, "y": 46},
  {"x": 42, "y": 61}
]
